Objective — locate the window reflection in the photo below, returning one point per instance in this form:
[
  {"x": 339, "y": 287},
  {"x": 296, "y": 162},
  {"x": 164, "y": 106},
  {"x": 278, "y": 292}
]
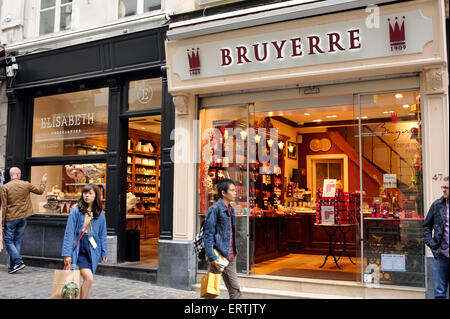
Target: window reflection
[{"x": 70, "y": 124}]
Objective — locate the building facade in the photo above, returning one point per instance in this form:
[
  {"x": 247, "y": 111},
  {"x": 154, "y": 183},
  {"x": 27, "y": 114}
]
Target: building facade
[{"x": 357, "y": 95}]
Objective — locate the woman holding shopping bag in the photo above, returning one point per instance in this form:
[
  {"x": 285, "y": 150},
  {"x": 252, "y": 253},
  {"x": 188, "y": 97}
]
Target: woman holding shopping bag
[{"x": 85, "y": 237}]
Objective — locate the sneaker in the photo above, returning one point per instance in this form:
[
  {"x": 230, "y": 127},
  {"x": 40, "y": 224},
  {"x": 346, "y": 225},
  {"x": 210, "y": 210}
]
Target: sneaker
[{"x": 16, "y": 268}]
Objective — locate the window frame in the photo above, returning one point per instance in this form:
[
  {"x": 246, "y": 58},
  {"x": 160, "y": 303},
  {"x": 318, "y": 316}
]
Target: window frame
[
  {"x": 311, "y": 161},
  {"x": 57, "y": 20},
  {"x": 139, "y": 9}
]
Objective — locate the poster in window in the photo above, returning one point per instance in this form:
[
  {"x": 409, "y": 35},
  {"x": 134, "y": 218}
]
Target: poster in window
[
  {"x": 329, "y": 187},
  {"x": 327, "y": 215},
  {"x": 390, "y": 180}
]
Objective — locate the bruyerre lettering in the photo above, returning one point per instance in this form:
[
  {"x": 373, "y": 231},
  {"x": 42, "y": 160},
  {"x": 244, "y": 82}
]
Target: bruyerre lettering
[{"x": 290, "y": 48}]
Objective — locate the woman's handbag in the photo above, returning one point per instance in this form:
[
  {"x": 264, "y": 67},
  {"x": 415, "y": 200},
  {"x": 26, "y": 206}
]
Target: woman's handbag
[
  {"x": 66, "y": 284},
  {"x": 210, "y": 286}
]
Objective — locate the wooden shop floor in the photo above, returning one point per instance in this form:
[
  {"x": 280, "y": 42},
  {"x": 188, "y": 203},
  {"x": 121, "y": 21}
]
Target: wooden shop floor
[
  {"x": 307, "y": 266},
  {"x": 148, "y": 254}
]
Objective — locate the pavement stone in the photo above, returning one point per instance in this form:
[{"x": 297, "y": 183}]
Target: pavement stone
[{"x": 36, "y": 283}]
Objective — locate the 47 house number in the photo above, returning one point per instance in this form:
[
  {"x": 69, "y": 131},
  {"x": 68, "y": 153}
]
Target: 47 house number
[{"x": 316, "y": 45}]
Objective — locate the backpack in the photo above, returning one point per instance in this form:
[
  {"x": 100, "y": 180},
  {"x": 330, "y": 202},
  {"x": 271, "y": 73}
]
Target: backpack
[{"x": 199, "y": 245}]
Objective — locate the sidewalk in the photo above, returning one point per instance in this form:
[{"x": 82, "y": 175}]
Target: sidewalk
[{"x": 36, "y": 283}]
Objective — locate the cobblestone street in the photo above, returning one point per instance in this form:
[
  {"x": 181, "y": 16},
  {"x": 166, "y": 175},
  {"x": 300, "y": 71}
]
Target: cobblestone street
[{"x": 36, "y": 283}]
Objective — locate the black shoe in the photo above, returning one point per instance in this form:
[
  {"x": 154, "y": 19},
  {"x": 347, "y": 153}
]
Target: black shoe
[{"x": 16, "y": 268}]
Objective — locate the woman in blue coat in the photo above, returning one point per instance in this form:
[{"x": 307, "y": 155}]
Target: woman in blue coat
[{"x": 92, "y": 246}]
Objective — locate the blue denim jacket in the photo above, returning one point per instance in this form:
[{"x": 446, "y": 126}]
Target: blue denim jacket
[
  {"x": 217, "y": 230},
  {"x": 73, "y": 231}
]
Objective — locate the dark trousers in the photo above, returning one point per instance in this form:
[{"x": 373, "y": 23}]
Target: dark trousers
[
  {"x": 441, "y": 277},
  {"x": 230, "y": 278}
]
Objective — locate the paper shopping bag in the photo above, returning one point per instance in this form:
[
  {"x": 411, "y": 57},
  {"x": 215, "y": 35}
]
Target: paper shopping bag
[
  {"x": 210, "y": 286},
  {"x": 221, "y": 262},
  {"x": 66, "y": 284}
]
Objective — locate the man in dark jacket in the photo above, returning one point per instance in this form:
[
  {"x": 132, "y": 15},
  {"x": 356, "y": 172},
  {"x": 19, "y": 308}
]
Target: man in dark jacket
[
  {"x": 437, "y": 220},
  {"x": 220, "y": 234}
]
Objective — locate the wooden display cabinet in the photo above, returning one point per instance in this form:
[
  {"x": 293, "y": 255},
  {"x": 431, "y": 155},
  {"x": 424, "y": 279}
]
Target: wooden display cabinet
[{"x": 143, "y": 179}]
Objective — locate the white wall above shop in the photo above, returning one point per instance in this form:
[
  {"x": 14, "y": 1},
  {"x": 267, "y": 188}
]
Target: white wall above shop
[{"x": 90, "y": 20}]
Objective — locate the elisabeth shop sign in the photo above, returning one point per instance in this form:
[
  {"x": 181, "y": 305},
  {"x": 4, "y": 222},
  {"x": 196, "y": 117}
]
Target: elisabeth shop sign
[{"x": 397, "y": 34}]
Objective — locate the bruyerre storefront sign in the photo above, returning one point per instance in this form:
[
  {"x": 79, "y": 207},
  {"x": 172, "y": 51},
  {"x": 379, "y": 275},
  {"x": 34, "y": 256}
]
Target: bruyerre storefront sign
[{"x": 397, "y": 34}]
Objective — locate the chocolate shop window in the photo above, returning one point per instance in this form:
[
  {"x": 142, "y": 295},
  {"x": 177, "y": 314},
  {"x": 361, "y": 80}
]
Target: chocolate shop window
[
  {"x": 70, "y": 124},
  {"x": 64, "y": 186}
]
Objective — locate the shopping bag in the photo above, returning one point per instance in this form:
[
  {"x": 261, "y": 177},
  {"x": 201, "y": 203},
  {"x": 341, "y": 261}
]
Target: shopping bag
[
  {"x": 66, "y": 284},
  {"x": 221, "y": 262},
  {"x": 210, "y": 286}
]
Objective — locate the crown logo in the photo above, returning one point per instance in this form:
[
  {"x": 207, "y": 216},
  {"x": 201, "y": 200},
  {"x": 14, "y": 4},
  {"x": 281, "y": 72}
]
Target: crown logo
[
  {"x": 397, "y": 34},
  {"x": 394, "y": 117},
  {"x": 194, "y": 61}
]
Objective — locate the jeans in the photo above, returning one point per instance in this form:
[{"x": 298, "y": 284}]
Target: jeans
[
  {"x": 12, "y": 236},
  {"x": 440, "y": 277}
]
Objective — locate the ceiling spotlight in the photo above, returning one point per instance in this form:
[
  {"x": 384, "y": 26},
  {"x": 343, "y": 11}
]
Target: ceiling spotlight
[
  {"x": 398, "y": 96},
  {"x": 331, "y": 116},
  {"x": 307, "y": 114},
  {"x": 317, "y": 120},
  {"x": 405, "y": 106}
]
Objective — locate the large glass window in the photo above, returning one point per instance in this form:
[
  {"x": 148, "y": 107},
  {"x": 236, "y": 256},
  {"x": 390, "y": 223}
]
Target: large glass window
[
  {"x": 64, "y": 185},
  {"x": 70, "y": 124},
  {"x": 358, "y": 175},
  {"x": 223, "y": 143},
  {"x": 145, "y": 94},
  {"x": 393, "y": 197}
]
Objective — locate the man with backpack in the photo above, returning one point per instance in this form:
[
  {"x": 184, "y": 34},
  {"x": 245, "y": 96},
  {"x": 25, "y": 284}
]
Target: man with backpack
[{"x": 220, "y": 234}]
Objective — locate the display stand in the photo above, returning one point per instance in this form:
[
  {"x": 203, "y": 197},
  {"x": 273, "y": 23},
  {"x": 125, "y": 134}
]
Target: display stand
[
  {"x": 344, "y": 229},
  {"x": 330, "y": 230}
]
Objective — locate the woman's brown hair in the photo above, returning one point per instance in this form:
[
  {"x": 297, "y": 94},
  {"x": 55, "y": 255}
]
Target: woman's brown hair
[{"x": 96, "y": 205}]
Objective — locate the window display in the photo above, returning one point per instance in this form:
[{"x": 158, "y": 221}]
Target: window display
[
  {"x": 65, "y": 183},
  {"x": 324, "y": 189},
  {"x": 70, "y": 124}
]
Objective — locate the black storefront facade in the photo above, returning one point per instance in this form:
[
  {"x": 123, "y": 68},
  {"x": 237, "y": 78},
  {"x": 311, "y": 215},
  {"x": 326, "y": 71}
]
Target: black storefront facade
[{"x": 110, "y": 65}]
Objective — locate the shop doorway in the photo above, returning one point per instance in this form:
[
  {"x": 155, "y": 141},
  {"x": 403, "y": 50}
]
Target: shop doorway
[
  {"x": 143, "y": 191},
  {"x": 318, "y": 144}
]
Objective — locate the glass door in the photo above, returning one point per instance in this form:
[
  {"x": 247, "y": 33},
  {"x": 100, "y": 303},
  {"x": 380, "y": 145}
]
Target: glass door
[
  {"x": 390, "y": 145},
  {"x": 224, "y": 151}
]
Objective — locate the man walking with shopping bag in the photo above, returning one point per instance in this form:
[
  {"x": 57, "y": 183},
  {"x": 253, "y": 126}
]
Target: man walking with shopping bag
[
  {"x": 220, "y": 237},
  {"x": 436, "y": 236},
  {"x": 16, "y": 208}
]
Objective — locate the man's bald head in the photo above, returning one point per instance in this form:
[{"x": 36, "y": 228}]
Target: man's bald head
[{"x": 14, "y": 172}]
